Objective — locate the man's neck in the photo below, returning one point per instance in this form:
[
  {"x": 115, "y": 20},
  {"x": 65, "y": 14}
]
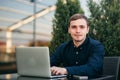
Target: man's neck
[{"x": 78, "y": 43}]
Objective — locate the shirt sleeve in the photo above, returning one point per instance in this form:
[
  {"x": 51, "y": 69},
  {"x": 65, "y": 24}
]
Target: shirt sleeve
[
  {"x": 94, "y": 64},
  {"x": 55, "y": 58}
]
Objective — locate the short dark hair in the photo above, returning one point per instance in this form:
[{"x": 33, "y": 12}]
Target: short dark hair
[{"x": 78, "y": 16}]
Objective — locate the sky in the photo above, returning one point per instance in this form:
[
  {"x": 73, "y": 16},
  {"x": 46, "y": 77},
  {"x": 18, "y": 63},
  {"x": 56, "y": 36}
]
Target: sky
[
  {"x": 47, "y": 26},
  {"x": 84, "y": 7}
]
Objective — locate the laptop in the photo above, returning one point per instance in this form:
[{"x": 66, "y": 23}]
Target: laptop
[
  {"x": 34, "y": 61},
  {"x": 38, "y": 78}
]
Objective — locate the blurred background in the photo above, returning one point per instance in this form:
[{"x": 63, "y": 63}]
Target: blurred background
[
  {"x": 24, "y": 23},
  {"x": 19, "y": 27},
  {"x": 36, "y": 23}
]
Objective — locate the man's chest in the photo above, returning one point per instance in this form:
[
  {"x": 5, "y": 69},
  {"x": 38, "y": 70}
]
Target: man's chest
[{"x": 76, "y": 56}]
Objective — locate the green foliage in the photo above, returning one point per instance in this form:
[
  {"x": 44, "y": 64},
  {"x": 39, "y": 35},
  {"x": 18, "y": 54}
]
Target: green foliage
[
  {"x": 73, "y": 7},
  {"x": 65, "y": 8},
  {"x": 105, "y": 24}
]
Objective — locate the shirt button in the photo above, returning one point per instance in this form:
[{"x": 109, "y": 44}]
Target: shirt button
[
  {"x": 76, "y": 52},
  {"x": 81, "y": 48},
  {"x": 76, "y": 62}
]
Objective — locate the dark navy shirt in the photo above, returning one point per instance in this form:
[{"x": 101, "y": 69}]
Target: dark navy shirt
[{"x": 87, "y": 59}]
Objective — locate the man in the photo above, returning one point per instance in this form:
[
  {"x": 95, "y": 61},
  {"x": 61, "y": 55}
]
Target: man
[{"x": 80, "y": 56}]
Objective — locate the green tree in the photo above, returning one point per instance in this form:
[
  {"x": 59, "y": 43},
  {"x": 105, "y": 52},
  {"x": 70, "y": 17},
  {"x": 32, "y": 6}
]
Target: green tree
[
  {"x": 74, "y": 7},
  {"x": 65, "y": 8},
  {"x": 105, "y": 24}
]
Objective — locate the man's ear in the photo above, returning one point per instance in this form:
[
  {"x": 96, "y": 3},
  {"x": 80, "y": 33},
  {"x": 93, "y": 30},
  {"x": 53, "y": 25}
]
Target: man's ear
[
  {"x": 68, "y": 30},
  {"x": 88, "y": 29}
]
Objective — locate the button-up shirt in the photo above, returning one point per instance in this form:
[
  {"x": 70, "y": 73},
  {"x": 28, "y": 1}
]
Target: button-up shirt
[{"x": 87, "y": 59}]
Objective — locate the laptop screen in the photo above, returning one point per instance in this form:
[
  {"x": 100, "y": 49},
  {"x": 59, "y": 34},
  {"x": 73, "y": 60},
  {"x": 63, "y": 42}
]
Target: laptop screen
[{"x": 33, "y": 61}]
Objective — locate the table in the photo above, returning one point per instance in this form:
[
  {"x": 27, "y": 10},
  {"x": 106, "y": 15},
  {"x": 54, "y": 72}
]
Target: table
[
  {"x": 7, "y": 63},
  {"x": 17, "y": 77}
]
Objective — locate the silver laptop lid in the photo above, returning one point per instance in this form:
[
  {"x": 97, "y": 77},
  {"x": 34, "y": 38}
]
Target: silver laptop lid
[{"x": 33, "y": 61}]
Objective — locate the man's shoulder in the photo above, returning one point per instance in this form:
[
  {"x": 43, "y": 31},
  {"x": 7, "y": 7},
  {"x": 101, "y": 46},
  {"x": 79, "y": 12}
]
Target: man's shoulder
[
  {"x": 94, "y": 42},
  {"x": 68, "y": 43},
  {"x": 97, "y": 46}
]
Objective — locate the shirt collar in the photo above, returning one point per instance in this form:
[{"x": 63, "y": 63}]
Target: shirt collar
[{"x": 84, "y": 43}]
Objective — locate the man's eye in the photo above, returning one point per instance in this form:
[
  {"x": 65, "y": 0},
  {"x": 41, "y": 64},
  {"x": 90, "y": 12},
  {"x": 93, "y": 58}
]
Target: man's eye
[
  {"x": 81, "y": 26},
  {"x": 73, "y": 26}
]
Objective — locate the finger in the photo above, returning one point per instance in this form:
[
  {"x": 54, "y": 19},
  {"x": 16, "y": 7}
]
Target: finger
[
  {"x": 52, "y": 68},
  {"x": 54, "y": 72},
  {"x": 58, "y": 73}
]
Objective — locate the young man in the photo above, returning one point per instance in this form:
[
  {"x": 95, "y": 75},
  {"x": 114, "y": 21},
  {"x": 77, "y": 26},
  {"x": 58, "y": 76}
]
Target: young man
[{"x": 80, "y": 56}]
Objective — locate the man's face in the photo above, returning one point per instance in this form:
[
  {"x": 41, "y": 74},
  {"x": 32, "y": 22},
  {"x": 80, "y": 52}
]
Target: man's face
[{"x": 78, "y": 30}]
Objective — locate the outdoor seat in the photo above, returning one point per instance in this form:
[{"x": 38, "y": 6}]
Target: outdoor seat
[{"x": 111, "y": 69}]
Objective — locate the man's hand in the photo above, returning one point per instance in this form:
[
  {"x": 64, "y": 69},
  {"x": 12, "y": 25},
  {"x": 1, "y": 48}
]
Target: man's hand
[{"x": 58, "y": 70}]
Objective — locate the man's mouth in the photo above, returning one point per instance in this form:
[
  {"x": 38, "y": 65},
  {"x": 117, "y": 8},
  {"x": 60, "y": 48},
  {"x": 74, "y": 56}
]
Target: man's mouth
[{"x": 78, "y": 35}]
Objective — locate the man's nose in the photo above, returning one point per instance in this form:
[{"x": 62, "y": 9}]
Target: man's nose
[{"x": 78, "y": 29}]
